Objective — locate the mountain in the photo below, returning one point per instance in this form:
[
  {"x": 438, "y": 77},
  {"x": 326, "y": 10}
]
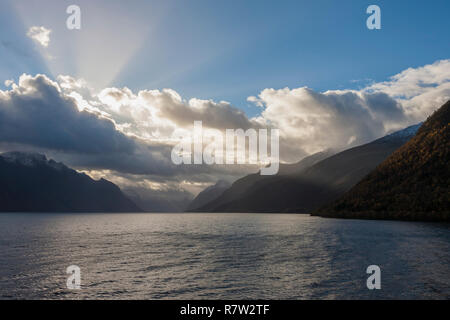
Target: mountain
[
  {"x": 411, "y": 184},
  {"x": 311, "y": 186},
  {"x": 151, "y": 200},
  {"x": 209, "y": 194},
  {"x": 242, "y": 186},
  {"x": 31, "y": 183}
]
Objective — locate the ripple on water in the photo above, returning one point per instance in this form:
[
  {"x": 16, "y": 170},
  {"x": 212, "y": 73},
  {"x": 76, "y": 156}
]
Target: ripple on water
[{"x": 229, "y": 256}]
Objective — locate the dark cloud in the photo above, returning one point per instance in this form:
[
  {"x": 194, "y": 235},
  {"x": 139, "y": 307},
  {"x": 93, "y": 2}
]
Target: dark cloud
[
  {"x": 36, "y": 113},
  {"x": 384, "y": 107}
]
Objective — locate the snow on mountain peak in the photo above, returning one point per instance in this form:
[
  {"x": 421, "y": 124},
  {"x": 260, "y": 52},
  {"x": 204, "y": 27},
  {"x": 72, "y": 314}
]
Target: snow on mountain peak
[{"x": 30, "y": 159}]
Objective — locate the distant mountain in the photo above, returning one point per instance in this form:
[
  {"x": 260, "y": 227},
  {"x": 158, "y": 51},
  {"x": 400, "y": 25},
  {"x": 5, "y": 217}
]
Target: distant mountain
[
  {"x": 242, "y": 186},
  {"x": 312, "y": 185},
  {"x": 31, "y": 183},
  {"x": 209, "y": 194},
  {"x": 152, "y": 200},
  {"x": 412, "y": 184}
]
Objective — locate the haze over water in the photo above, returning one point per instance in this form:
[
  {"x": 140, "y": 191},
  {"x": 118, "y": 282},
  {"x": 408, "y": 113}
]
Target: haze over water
[{"x": 226, "y": 256}]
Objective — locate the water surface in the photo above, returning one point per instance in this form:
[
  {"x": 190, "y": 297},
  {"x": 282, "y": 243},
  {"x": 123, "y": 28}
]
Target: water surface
[{"x": 226, "y": 256}]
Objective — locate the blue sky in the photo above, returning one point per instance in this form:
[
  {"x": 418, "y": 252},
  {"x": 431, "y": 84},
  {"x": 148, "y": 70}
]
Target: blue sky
[{"x": 225, "y": 50}]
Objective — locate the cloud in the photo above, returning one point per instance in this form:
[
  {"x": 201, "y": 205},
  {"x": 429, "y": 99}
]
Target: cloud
[
  {"x": 40, "y": 34},
  {"x": 54, "y": 118},
  {"x": 419, "y": 90},
  {"x": 219, "y": 115},
  {"x": 131, "y": 133},
  {"x": 415, "y": 81},
  {"x": 35, "y": 112},
  {"x": 165, "y": 111},
  {"x": 311, "y": 121},
  {"x": 151, "y": 195},
  {"x": 255, "y": 100}
]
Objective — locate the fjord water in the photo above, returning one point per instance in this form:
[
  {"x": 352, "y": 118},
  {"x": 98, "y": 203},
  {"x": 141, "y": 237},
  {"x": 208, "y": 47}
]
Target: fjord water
[{"x": 227, "y": 256}]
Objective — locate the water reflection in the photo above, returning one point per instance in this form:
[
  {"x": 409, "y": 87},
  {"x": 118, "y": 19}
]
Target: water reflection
[{"x": 230, "y": 256}]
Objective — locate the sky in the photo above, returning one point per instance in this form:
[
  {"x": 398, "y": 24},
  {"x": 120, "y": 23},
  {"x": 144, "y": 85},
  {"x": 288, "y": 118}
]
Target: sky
[
  {"x": 108, "y": 98},
  {"x": 228, "y": 50}
]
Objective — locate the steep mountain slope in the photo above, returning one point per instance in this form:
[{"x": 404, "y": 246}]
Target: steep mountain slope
[
  {"x": 412, "y": 184},
  {"x": 312, "y": 187},
  {"x": 244, "y": 184},
  {"x": 31, "y": 183},
  {"x": 209, "y": 194}
]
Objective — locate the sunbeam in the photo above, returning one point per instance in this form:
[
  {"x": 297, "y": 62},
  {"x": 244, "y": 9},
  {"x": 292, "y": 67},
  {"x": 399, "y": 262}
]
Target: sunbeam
[{"x": 105, "y": 44}]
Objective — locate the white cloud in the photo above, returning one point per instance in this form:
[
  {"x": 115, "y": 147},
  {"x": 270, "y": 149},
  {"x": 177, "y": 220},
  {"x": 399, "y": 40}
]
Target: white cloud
[
  {"x": 309, "y": 121},
  {"x": 255, "y": 100},
  {"x": 40, "y": 34},
  {"x": 419, "y": 90},
  {"x": 130, "y": 132},
  {"x": 415, "y": 81}
]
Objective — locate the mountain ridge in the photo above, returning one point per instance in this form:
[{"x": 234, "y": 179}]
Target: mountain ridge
[
  {"x": 208, "y": 194},
  {"x": 32, "y": 183},
  {"x": 411, "y": 184},
  {"x": 245, "y": 183},
  {"x": 321, "y": 182}
]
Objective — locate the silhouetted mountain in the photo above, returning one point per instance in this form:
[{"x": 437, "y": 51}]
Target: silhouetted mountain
[
  {"x": 312, "y": 186},
  {"x": 412, "y": 184},
  {"x": 31, "y": 183},
  {"x": 244, "y": 185},
  {"x": 209, "y": 194},
  {"x": 152, "y": 200}
]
